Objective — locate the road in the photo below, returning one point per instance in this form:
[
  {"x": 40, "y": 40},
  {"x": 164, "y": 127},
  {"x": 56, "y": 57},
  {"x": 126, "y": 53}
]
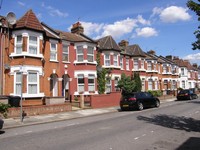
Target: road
[{"x": 173, "y": 126}]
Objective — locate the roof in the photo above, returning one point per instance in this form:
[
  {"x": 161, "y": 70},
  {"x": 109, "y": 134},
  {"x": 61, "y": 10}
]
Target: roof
[
  {"x": 29, "y": 20},
  {"x": 108, "y": 43},
  {"x": 134, "y": 50}
]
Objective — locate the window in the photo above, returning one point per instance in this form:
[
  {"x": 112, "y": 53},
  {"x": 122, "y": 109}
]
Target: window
[
  {"x": 80, "y": 53},
  {"x": 33, "y": 46},
  {"x": 32, "y": 83},
  {"x": 183, "y": 84},
  {"x": 143, "y": 85},
  {"x": 90, "y": 54},
  {"x": 65, "y": 56},
  {"x": 121, "y": 62},
  {"x": 156, "y": 85},
  {"x": 150, "y": 84},
  {"x": 164, "y": 69},
  {"x": 107, "y": 59},
  {"x": 135, "y": 64},
  {"x": 53, "y": 51},
  {"x": 108, "y": 85},
  {"x": 81, "y": 83},
  {"x": 115, "y": 60},
  {"x": 142, "y": 64},
  {"x": 173, "y": 69},
  {"x": 91, "y": 85},
  {"x": 182, "y": 71},
  {"x": 116, "y": 84},
  {"x": 127, "y": 64},
  {"x": 149, "y": 67},
  {"x": 19, "y": 44},
  {"x": 18, "y": 83},
  {"x": 173, "y": 84}
]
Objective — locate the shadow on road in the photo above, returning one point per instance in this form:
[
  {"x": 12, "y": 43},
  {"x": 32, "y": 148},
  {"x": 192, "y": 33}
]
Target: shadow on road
[
  {"x": 2, "y": 132},
  {"x": 174, "y": 122},
  {"x": 192, "y": 143}
]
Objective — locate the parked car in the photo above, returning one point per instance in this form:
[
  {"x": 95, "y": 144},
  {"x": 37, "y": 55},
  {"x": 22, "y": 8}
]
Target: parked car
[
  {"x": 186, "y": 95},
  {"x": 1, "y": 123},
  {"x": 139, "y": 100}
]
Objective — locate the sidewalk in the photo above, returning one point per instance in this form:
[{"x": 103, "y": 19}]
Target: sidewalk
[{"x": 76, "y": 113}]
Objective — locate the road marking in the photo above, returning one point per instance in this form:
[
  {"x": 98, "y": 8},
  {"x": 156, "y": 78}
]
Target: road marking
[
  {"x": 29, "y": 131},
  {"x": 196, "y": 112},
  {"x": 136, "y": 138}
]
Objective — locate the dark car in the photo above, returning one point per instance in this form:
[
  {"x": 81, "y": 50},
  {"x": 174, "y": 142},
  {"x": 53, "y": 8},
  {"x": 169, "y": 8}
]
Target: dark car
[
  {"x": 139, "y": 100},
  {"x": 1, "y": 123},
  {"x": 186, "y": 95}
]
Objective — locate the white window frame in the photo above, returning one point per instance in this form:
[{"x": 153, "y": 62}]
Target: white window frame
[
  {"x": 136, "y": 64},
  {"x": 65, "y": 54},
  {"x": 90, "y": 49},
  {"x": 18, "y": 83},
  {"x": 80, "y": 86},
  {"x": 80, "y": 53},
  {"x": 18, "y": 44},
  {"x": 150, "y": 84},
  {"x": 107, "y": 59},
  {"x": 34, "y": 45},
  {"x": 149, "y": 66},
  {"x": 164, "y": 68},
  {"x": 121, "y": 62},
  {"x": 53, "y": 52},
  {"x": 108, "y": 85},
  {"x": 127, "y": 64},
  {"x": 115, "y": 60},
  {"x": 91, "y": 86},
  {"x": 32, "y": 83},
  {"x": 116, "y": 83}
]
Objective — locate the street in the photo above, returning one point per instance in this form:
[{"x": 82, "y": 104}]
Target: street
[{"x": 173, "y": 126}]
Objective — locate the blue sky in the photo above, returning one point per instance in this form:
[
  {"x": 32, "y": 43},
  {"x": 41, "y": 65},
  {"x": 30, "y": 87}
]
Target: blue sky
[{"x": 165, "y": 26}]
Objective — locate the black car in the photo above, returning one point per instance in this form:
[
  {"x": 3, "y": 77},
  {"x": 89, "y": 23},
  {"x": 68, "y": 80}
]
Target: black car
[
  {"x": 139, "y": 100},
  {"x": 186, "y": 95},
  {"x": 1, "y": 123}
]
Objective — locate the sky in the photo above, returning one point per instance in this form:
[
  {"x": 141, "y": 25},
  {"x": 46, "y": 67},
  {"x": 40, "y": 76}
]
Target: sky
[{"x": 165, "y": 26}]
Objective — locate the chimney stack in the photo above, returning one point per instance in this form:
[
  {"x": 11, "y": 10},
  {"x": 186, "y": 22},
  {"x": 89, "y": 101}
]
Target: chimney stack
[
  {"x": 77, "y": 28},
  {"x": 152, "y": 52},
  {"x": 123, "y": 43}
]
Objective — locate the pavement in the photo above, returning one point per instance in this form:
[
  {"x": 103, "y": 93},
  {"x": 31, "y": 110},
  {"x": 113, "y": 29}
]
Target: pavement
[{"x": 75, "y": 113}]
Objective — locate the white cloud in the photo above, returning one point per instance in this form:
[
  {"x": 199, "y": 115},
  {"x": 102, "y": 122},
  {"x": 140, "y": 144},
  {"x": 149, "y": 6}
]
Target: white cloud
[
  {"x": 173, "y": 14},
  {"x": 141, "y": 20},
  {"x": 193, "y": 57},
  {"x": 54, "y": 12},
  {"x": 91, "y": 28},
  {"x": 156, "y": 11},
  {"x": 21, "y": 3},
  {"x": 146, "y": 32}
]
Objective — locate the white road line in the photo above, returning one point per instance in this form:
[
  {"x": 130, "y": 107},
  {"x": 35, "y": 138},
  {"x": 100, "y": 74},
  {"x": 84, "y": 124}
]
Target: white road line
[
  {"x": 136, "y": 138},
  {"x": 29, "y": 131}
]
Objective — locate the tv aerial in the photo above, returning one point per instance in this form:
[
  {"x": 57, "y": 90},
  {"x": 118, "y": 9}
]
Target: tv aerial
[{"x": 11, "y": 18}]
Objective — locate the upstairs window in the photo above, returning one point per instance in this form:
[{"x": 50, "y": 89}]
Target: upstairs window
[
  {"x": 121, "y": 62},
  {"x": 90, "y": 54},
  {"x": 65, "y": 56},
  {"x": 19, "y": 44},
  {"x": 33, "y": 45},
  {"x": 107, "y": 60},
  {"x": 149, "y": 66},
  {"x": 164, "y": 69},
  {"x": 80, "y": 54},
  {"x": 32, "y": 83},
  {"x": 136, "y": 64},
  {"x": 127, "y": 64},
  {"x": 150, "y": 84},
  {"x": 182, "y": 71},
  {"x": 142, "y": 64},
  {"x": 115, "y": 60},
  {"x": 53, "y": 51}
]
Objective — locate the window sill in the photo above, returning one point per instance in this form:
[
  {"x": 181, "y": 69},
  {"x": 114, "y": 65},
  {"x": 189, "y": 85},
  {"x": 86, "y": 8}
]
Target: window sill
[
  {"x": 25, "y": 95},
  {"x": 55, "y": 61},
  {"x": 25, "y": 54},
  {"x": 85, "y": 62}
]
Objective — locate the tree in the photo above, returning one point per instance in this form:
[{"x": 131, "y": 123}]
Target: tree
[
  {"x": 126, "y": 84},
  {"x": 138, "y": 82},
  {"x": 195, "y": 6}
]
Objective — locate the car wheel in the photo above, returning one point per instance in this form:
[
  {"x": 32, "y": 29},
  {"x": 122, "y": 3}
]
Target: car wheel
[
  {"x": 140, "y": 106},
  {"x": 157, "y": 104}
]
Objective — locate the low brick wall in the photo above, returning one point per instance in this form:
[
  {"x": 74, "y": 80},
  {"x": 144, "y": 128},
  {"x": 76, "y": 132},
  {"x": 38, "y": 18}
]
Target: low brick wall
[
  {"x": 165, "y": 97},
  {"x": 105, "y": 100},
  {"x": 38, "y": 110}
]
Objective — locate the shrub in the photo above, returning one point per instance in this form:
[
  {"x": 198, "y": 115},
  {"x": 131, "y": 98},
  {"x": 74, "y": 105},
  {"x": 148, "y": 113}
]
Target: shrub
[
  {"x": 156, "y": 93},
  {"x": 4, "y": 109}
]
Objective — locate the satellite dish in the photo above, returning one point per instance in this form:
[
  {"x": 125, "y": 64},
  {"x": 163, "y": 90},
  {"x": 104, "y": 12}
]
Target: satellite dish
[{"x": 11, "y": 18}]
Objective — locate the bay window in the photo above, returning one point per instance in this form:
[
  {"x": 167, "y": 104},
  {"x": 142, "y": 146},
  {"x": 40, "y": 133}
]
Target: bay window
[
  {"x": 81, "y": 83},
  {"x": 91, "y": 83},
  {"x": 136, "y": 64},
  {"x": 107, "y": 59},
  {"x": 121, "y": 62},
  {"x": 127, "y": 63},
  {"x": 80, "y": 54},
  {"x": 18, "y": 83},
  {"x": 33, "y": 45},
  {"x": 90, "y": 54},
  {"x": 19, "y": 42},
  {"x": 115, "y": 60},
  {"x": 32, "y": 83}
]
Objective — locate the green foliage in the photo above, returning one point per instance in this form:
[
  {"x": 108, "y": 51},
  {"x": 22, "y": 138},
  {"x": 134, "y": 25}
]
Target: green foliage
[
  {"x": 126, "y": 84},
  {"x": 156, "y": 93},
  {"x": 195, "y": 6},
  {"x": 138, "y": 82},
  {"x": 4, "y": 109}
]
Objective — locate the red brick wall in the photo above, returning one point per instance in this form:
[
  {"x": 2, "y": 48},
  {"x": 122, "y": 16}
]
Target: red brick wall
[{"x": 105, "y": 100}]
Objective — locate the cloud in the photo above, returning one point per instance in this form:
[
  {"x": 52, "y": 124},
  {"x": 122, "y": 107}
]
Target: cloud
[
  {"x": 92, "y": 28},
  {"x": 21, "y": 3},
  {"x": 54, "y": 12},
  {"x": 146, "y": 32},
  {"x": 141, "y": 20},
  {"x": 193, "y": 57},
  {"x": 172, "y": 14}
]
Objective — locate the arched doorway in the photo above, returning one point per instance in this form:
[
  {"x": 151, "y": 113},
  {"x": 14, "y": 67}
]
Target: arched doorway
[
  {"x": 54, "y": 85},
  {"x": 65, "y": 87}
]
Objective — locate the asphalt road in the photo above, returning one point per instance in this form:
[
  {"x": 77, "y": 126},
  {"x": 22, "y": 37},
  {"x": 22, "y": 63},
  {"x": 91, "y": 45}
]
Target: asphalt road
[{"x": 173, "y": 126}]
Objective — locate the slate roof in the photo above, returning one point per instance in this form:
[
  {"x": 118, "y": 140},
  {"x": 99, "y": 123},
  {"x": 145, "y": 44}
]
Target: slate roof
[
  {"x": 30, "y": 21},
  {"x": 108, "y": 43},
  {"x": 134, "y": 50}
]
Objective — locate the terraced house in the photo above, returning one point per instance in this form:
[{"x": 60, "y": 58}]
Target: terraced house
[{"x": 40, "y": 62}]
